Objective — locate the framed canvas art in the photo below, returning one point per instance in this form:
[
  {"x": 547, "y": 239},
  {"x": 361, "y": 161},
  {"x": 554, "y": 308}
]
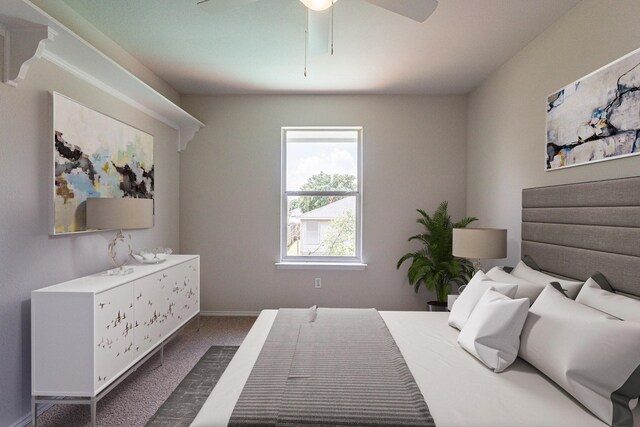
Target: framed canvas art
[
  {"x": 95, "y": 155},
  {"x": 595, "y": 118}
]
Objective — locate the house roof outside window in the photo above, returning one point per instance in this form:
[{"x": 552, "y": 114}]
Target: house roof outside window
[{"x": 331, "y": 211}]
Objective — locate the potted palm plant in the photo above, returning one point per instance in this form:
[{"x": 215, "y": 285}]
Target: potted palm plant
[{"x": 434, "y": 264}]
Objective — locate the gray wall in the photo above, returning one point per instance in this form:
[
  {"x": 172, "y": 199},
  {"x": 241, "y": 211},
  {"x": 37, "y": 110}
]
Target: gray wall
[
  {"x": 414, "y": 157},
  {"x": 506, "y": 141},
  {"x": 29, "y": 258}
]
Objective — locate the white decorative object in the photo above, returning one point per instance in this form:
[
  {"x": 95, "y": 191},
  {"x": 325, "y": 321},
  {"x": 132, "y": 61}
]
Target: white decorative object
[
  {"x": 492, "y": 332},
  {"x": 88, "y": 332},
  {"x": 152, "y": 256},
  {"x": 70, "y": 52},
  {"x": 468, "y": 299}
]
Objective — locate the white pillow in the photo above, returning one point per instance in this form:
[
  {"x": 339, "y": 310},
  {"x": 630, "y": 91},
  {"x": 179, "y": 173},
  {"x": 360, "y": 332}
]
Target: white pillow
[
  {"x": 468, "y": 299},
  {"x": 592, "y": 355},
  {"x": 526, "y": 289},
  {"x": 523, "y": 271},
  {"x": 492, "y": 333},
  {"x": 622, "y": 307}
]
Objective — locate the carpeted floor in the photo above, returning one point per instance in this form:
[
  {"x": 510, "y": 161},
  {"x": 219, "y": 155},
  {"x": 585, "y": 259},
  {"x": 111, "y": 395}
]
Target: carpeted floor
[{"x": 137, "y": 398}]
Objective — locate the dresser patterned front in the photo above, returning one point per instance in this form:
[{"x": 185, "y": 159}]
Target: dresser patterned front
[{"x": 89, "y": 331}]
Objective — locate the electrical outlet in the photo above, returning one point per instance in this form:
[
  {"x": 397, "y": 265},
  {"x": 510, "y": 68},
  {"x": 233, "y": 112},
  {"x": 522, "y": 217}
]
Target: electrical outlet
[{"x": 318, "y": 283}]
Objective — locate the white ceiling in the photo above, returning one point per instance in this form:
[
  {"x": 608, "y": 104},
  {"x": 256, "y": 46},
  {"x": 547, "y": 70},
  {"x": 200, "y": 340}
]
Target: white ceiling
[{"x": 260, "y": 47}]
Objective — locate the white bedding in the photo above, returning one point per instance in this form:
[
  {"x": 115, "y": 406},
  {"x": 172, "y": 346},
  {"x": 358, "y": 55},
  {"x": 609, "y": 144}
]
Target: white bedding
[{"x": 458, "y": 389}]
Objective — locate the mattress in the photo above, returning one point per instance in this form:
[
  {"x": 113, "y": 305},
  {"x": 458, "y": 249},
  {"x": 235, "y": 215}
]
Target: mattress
[{"x": 459, "y": 389}]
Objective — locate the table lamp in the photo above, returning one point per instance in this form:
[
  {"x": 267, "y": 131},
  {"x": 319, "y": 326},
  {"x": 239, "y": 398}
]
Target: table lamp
[
  {"x": 119, "y": 214},
  {"x": 479, "y": 243}
]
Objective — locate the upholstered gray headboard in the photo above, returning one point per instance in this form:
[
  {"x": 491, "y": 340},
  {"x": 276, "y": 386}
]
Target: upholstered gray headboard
[{"x": 574, "y": 230}]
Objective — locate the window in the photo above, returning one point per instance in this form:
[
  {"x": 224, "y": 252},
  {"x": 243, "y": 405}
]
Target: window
[
  {"x": 4, "y": 51},
  {"x": 321, "y": 195}
]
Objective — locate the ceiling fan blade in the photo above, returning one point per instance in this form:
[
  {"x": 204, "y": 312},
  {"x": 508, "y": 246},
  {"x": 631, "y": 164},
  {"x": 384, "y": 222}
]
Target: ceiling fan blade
[
  {"x": 319, "y": 31},
  {"x": 222, "y": 6},
  {"x": 418, "y": 10}
]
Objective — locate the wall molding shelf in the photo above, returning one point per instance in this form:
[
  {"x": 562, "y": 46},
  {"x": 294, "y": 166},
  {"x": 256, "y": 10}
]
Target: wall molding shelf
[
  {"x": 33, "y": 34},
  {"x": 23, "y": 45}
]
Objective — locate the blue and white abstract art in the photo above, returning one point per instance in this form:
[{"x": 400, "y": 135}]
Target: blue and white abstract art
[
  {"x": 95, "y": 156},
  {"x": 597, "y": 117}
]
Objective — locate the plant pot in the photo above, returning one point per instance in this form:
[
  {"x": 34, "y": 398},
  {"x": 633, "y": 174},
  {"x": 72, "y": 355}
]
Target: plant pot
[{"x": 436, "y": 306}]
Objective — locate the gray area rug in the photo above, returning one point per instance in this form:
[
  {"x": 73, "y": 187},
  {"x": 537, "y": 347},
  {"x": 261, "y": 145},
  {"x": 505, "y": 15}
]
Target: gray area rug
[{"x": 183, "y": 404}]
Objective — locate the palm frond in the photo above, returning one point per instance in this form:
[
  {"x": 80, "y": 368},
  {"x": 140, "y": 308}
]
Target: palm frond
[
  {"x": 425, "y": 216},
  {"x": 464, "y": 222},
  {"x": 434, "y": 265},
  {"x": 404, "y": 258},
  {"x": 422, "y": 237}
]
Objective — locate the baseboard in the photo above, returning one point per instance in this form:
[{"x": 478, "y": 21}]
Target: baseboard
[
  {"x": 229, "y": 313},
  {"x": 26, "y": 419}
]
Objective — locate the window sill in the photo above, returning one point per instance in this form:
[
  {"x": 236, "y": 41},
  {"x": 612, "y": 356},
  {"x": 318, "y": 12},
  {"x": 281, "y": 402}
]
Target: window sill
[{"x": 320, "y": 266}]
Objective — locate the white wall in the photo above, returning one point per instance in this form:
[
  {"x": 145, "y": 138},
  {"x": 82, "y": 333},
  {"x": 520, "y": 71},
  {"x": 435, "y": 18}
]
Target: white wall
[
  {"x": 31, "y": 259},
  {"x": 506, "y": 130},
  {"x": 414, "y": 157}
]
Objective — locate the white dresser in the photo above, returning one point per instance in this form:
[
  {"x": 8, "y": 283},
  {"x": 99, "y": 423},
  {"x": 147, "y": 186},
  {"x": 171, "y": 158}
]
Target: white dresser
[{"x": 88, "y": 332}]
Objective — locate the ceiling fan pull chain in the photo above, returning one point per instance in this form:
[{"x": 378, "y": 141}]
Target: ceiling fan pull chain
[
  {"x": 332, "y": 6},
  {"x": 306, "y": 40}
]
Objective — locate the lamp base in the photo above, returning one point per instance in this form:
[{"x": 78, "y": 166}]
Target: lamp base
[{"x": 477, "y": 265}]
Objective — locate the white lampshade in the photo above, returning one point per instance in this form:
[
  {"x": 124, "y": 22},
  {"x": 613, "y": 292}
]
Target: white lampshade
[
  {"x": 119, "y": 213},
  {"x": 480, "y": 243},
  {"x": 318, "y": 5}
]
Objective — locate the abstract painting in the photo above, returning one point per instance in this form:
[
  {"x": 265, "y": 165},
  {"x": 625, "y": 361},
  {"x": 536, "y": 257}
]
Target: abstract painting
[
  {"x": 95, "y": 156},
  {"x": 597, "y": 117}
]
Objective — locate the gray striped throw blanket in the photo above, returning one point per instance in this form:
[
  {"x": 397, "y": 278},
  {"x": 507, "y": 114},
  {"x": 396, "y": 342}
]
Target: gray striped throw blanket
[{"x": 338, "y": 367}]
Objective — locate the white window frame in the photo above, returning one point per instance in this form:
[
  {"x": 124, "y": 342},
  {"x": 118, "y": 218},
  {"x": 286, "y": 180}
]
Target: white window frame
[
  {"x": 6, "y": 46},
  {"x": 339, "y": 262}
]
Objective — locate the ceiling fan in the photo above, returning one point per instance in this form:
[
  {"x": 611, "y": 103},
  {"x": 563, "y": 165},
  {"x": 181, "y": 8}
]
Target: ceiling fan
[
  {"x": 319, "y": 29},
  {"x": 418, "y": 10}
]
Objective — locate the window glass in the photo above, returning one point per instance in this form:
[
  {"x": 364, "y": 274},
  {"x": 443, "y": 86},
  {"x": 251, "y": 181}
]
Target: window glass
[
  {"x": 321, "y": 194},
  {"x": 321, "y": 226},
  {"x": 323, "y": 164}
]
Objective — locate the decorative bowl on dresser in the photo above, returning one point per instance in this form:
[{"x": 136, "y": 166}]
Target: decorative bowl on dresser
[{"x": 89, "y": 334}]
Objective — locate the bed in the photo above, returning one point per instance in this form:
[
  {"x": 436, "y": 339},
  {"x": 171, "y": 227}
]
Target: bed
[{"x": 570, "y": 230}]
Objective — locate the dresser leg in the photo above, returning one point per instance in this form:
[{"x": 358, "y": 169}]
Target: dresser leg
[
  {"x": 34, "y": 412},
  {"x": 93, "y": 411}
]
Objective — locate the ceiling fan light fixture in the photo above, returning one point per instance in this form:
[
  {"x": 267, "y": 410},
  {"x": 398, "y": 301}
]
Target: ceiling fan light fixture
[{"x": 318, "y": 5}]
